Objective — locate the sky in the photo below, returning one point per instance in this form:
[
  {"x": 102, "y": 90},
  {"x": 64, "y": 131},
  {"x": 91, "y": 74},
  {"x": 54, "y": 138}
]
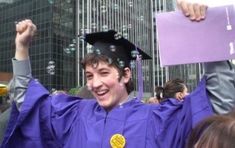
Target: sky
[{"x": 214, "y": 3}]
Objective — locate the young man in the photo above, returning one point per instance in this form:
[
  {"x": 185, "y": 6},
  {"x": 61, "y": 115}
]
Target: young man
[
  {"x": 112, "y": 120},
  {"x": 39, "y": 119}
]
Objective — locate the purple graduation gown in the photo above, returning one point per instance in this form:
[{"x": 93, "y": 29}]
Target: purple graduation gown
[{"x": 46, "y": 121}]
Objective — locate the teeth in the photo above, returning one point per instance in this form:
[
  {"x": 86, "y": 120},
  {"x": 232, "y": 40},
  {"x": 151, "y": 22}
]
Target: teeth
[{"x": 100, "y": 92}]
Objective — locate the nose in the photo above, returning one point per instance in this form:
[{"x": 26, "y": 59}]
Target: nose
[{"x": 96, "y": 82}]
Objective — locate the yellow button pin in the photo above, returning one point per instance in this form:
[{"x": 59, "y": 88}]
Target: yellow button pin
[{"x": 117, "y": 141}]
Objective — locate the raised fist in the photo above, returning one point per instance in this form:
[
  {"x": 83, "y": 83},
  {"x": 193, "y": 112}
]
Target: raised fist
[{"x": 25, "y": 30}]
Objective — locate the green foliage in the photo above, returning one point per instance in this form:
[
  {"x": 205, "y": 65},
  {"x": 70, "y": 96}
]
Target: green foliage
[{"x": 74, "y": 91}]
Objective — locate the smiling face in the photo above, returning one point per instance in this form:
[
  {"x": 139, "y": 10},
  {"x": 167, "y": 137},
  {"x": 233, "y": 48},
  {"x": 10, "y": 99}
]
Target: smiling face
[{"x": 106, "y": 85}]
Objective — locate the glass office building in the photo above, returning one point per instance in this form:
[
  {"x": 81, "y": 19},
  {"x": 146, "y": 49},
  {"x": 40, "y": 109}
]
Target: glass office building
[
  {"x": 53, "y": 53},
  {"x": 59, "y": 46}
]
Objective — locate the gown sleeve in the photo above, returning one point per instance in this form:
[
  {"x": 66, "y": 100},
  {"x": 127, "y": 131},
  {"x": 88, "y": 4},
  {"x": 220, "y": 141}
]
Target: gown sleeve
[
  {"x": 220, "y": 85},
  {"x": 173, "y": 119},
  {"x": 37, "y": 118}
]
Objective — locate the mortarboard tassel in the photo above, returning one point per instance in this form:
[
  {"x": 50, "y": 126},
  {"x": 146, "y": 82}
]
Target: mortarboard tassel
[{"x": 140, "y": 77}]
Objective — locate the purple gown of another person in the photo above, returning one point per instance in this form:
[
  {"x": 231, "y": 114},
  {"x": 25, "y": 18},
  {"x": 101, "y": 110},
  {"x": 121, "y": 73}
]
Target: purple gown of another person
[{"x": 47, "y": 121}]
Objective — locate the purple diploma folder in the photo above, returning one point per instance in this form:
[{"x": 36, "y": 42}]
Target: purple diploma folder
[{"x": 182, "y": 41}]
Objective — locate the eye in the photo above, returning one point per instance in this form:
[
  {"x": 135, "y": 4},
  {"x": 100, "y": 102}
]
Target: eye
[
  {"x": 89, "y": 76},
  {"x": 104, "y": 73}
]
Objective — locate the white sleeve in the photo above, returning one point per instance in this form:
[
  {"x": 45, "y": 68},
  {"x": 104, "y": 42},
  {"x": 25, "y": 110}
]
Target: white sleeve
[
  {"x": 19, "y": 83},
  {"x": 221, "y": 85}
]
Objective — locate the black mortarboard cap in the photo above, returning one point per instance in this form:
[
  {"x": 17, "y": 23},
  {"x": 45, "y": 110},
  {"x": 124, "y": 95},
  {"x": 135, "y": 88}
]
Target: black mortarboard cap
[{"x": 114, "y": 46}]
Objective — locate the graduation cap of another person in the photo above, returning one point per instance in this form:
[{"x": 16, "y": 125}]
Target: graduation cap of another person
[{"x": 115, "y": 47}]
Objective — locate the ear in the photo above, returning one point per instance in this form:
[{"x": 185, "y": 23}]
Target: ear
[
  {"x": 179, "y": 96},
  {"x": 127, "y": 75}
]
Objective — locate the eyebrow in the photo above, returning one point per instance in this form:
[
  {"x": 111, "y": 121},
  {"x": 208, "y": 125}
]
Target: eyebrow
[
  {"x": 100, "y": 69},
  {"x": 104, "y": 69},
  {"x": 87, "y": 72}
]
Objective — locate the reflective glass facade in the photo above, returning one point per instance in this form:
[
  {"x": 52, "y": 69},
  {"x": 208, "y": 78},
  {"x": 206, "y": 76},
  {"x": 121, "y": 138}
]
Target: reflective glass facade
[{"x": 53, "y": 54}]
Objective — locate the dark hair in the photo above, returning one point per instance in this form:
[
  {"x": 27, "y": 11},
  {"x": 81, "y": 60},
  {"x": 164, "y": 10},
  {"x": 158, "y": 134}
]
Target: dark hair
[
  {"x": 91, "y": 59},
  {"x": 217, "y": 131},
  {"x": 170, "y": 89},
  {"x": 159, "y": 93}
]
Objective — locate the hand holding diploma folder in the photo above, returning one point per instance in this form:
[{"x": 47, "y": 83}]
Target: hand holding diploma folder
[{"x": 182, "y": 41}]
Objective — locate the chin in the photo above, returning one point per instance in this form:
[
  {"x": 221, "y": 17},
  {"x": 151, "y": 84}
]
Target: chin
[
  {"x": 103, "y": 104},
  {"x": 106, "y": 106}
]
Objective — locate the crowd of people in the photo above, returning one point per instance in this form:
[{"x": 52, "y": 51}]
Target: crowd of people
[{"x": 176, "y": 119}]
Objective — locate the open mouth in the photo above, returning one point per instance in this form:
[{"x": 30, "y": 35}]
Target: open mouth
[{"x": 101, "y": 93}]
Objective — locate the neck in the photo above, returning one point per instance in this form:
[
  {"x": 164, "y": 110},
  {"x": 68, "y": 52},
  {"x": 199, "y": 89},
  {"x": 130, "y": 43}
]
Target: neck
[{"x": 124, "y": 99}]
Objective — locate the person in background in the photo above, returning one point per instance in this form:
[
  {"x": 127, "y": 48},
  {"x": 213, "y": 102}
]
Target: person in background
[
  {"x": 217, "y": 131},
  {"x": 175, "y": 88},
  {"x": 4, "y": 118},
  {"x": 152, "y": 100}
]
